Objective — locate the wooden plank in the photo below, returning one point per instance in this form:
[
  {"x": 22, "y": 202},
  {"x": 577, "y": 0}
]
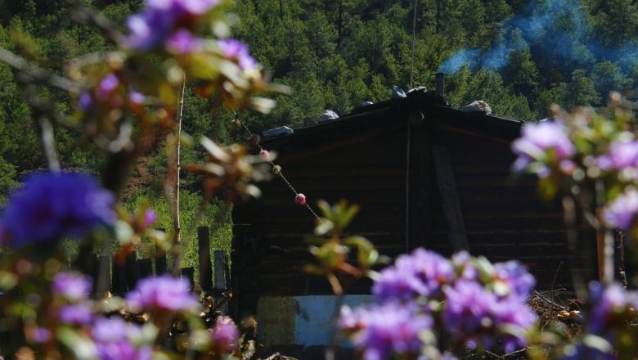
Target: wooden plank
[
  {"x": 451, "y": 205},
  {"x": 102, "y": 280},
  {"x": 220, "y": 270},
  {"x": 420, "y": 183},
  {"x": 205, "y": 265}
]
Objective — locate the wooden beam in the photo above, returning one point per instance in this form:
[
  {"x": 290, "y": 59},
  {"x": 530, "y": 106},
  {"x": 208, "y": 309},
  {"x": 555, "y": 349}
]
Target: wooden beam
[
  {"x": 450, "y": 197},
  {"x": 420, "y": 182}
]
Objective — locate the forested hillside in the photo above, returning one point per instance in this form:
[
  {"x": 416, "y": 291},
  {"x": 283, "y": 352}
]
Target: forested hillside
[{"x": 518, "y": 55}]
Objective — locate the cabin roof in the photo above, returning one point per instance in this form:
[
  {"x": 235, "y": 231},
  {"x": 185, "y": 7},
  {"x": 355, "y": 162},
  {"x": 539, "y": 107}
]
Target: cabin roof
[{"x": 395, "y": 113}]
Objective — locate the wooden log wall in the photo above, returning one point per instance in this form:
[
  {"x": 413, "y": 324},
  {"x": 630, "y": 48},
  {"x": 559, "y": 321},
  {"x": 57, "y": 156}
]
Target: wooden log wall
[
  {"x": 444, "y": 171},
  {"x": 504, "y": 216}
]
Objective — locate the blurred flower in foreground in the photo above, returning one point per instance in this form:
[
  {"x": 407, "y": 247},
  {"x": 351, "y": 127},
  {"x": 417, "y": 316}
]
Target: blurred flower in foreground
[
  {"x": 50, "y": 206},
  {"x": 543, "y": 144},
  {"x": 622, "y": 157},
  {"x": 155, "y": 23},
  {"x": 116, "y": 339},
  {"x": 238, "y": 51},
  {"x": 421, "y": 273},
  {"x": 163, "y": 293},
  {"x": 613, "y": 308},
  {"x": 481, "y": 305},
  {"x": 73, "y": 287},
  {"x": 230, "y": 170},
  {"x": 224, "y": 336},
  {"x": 621, "y": 212},
  {"x": 382, "y": 330},
  {"x": 77, "y": 314}
]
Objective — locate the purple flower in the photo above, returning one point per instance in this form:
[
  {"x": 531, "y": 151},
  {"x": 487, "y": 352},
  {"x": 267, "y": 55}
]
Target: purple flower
[
  {"x": 40, "y": 335},
  {"x": 113, "y": 339},
  {"x": 610, "y": 311},
  {"x": 50, "y": 206},
  {"x": 74, "y": 287},
  {"x": 516, "y": 277},
  {"x": 478, "y": 317},
  {"x": 85, "y": 101},
  {"x": 136, "y": 97},
  {"x": 419, "y": 274},
  {"x": 160, "y": 18},
  {"x": 238, "y": 51},
  {"x": 183, "y": 42},
  {"x": 463, "y": 266},
  {"x": 106, "y": 86},
  {"x": 76, "y": 314},
  {"x": 623, "y": 155},
  {"x": 192, "y": 7},
  {"x": 224, "y": 336},
  {"x": 386, "y": 329},
  {"x": 537, "y": 141},
  {"x": 149, "y": 218},
  {"x": 149, "y": 29},
  {"x": 621, "y": 212},
  {"x": 164, "y": 293}
]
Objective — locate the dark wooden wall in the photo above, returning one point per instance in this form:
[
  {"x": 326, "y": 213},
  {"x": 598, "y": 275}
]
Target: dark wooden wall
[
  {"x": 459, "y": 173},
  {"x": 503, "y": 214}
]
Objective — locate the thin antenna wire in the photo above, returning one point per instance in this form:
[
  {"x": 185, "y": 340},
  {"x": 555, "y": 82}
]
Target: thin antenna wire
[{"x": 413, "y": 43}]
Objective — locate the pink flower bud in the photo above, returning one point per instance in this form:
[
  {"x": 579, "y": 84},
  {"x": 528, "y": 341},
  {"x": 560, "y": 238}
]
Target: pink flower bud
[
  {"x": 300, "y": 199},
  {"x": 265, "y": 155}
]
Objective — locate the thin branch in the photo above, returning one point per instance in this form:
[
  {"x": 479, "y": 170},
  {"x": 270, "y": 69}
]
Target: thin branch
[
  {"x": 37, "y": 72},
  {"x": 48, "y": 143},
  {"x": 176, "y": 218},
  {"x": 548, "y": 301},
  {"x": 88, "y": 15}
]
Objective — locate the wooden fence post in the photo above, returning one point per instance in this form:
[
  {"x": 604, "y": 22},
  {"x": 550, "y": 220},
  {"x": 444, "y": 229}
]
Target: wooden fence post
[
  {"x": 102, "y": 275},
  {"x": 220, "y": 270},
  {"x": 205, "y": 266},
  {"x": 189, "y": 273}
]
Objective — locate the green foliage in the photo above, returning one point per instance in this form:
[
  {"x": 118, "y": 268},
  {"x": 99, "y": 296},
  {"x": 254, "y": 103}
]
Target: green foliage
[{"x": 215, "y": 215}]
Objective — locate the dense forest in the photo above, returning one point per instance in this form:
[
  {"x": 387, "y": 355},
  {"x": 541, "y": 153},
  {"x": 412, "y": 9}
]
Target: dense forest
[{"x": 518, "y": 55}]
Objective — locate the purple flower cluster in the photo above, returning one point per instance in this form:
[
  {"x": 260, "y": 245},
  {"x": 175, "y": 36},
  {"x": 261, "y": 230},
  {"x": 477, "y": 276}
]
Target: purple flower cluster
[
  {"x": 73, "y": 287},
  {"x": 238, "y": 51},
  {"x": 116, "y": 339},
  {"x": 167, "y": 22},
  {"x": 163, "y": 293},
  {"x": 621, "y": 212},
  {"x": 478, "y": 317},
  {"x": 109, "y": 94},
  {"x": 386, "y": 329},
  {"x": 479, "y": 303},
  {"x": 622, "y": 156},
  {"x": 50, "y": 206},
  {"x": 224, "y": 336},
  {"x": 611, "y": 309},
  {"x": 542, "y": 144},
  {"x": 421, "y": 273}
]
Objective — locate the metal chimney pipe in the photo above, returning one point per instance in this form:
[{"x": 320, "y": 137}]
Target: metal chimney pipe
[{"x": 440, "y": 82}]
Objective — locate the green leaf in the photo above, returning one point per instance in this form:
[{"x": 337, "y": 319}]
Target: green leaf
[
  {"x": 79, "y": 344},
  {"x": 323, "y": 227}
]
